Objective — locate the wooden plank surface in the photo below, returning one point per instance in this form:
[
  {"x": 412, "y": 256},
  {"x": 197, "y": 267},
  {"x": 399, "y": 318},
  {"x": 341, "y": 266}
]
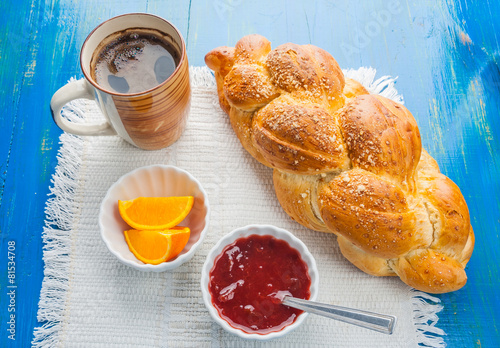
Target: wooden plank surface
[{"x": 445, "y": 53}]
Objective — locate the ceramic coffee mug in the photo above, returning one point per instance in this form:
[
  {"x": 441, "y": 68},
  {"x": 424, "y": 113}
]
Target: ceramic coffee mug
[{"x": 150, "y": 120}]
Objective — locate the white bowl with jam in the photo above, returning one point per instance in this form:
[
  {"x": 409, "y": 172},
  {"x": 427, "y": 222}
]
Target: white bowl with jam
[{"x": 247, "y": 273}]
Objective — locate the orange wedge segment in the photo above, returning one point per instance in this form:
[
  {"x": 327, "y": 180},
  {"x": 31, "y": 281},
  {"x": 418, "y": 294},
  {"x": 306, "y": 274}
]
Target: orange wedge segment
[
  {"x": 155, "y": 213},
  {"x": 157, "y": 246}
]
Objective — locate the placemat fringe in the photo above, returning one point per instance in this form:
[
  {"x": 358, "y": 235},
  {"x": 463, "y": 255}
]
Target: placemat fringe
[
  {"x": 425, "y": 309},
  {"x": 201, "y": 76},
  {"x": 384, "y": 86},
  {"x": 60, "y": 213}
]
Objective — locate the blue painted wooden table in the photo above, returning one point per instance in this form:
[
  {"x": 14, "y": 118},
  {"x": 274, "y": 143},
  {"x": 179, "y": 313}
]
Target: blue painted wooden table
[{"x": 445, "y": 53}]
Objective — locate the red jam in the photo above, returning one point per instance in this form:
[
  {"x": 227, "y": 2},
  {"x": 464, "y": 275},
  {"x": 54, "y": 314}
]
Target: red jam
[{"x": 249, "y": 279}]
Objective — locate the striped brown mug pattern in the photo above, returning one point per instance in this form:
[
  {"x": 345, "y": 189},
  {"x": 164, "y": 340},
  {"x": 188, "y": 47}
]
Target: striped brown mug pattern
[{"x": 151, "y": 119}]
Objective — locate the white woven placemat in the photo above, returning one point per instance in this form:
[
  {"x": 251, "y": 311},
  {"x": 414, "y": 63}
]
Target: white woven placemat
[{"x": 89, "y": 299}]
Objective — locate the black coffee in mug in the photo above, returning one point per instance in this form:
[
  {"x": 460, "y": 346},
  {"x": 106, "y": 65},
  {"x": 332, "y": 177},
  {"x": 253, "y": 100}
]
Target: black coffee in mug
[{"x": 134, "y": 61}]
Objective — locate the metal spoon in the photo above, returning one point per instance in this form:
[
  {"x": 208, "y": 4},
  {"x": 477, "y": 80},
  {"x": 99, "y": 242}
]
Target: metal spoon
[{"x": 369, "y": 320}]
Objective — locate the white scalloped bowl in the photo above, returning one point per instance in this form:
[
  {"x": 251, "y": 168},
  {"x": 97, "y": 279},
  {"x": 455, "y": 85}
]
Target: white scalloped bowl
[
  {"x": 246, "y": 231},
  {"x": 153, "y": 181}
]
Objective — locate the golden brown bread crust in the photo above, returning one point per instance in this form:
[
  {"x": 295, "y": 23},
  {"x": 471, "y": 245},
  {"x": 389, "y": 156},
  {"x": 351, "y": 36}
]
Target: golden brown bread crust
[
  {"x": 281, "y": 132},
  {"x": 373, "y": 214},
  {"x": 382, "y": 137},
  {"x": 430, "y": 271},
  {"x": 377, "y": 266},
  {"x": 353, "y": 88},
  {"x": 346, "y": 161},
  {"x": 298, "y": 195}
]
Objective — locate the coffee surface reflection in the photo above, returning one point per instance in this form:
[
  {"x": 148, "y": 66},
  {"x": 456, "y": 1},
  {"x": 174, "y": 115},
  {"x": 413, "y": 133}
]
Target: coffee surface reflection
[{"x": 134, "y": 61}]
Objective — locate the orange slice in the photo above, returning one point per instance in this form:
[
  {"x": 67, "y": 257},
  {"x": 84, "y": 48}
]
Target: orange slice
[
  {"x": 155, "y": 213},
  {"x": 155, "y": 247}
]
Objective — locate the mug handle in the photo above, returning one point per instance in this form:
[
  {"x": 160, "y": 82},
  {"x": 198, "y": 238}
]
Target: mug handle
[{"x": 79, "y": 89}]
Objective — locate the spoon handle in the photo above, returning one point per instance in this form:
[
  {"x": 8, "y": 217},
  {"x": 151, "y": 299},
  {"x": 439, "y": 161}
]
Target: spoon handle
[{"x": 373, "y": 321}]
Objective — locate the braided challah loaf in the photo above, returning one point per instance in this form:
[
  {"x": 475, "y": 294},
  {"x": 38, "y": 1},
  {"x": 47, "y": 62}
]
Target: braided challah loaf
[{"x": 346, "y": 161}]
